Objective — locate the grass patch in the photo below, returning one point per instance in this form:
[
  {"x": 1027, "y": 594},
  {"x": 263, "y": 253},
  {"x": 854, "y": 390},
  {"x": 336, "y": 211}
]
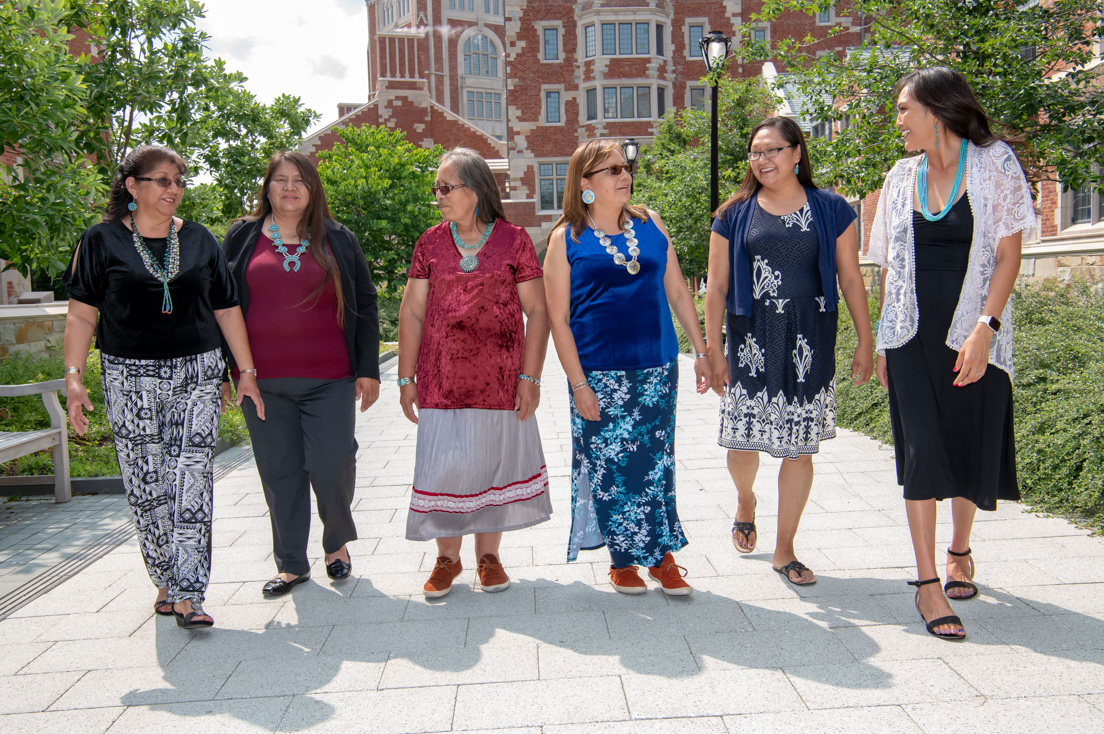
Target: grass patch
[{"x": 90, "y": 455}]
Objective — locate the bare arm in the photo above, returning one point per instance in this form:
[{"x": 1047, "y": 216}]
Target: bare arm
[
  {"x": 973, "y": 358},
  {"x": 682, "y": 304},
  {"x": 80, "y": 325},
  {"x": 232, "y": 324},
  {"x": 411, "y": 321},
  {"x": 854, "y": 293},
  {"x": 716, "y": 293},
  {"x": 880, "y": 362},
  {"x": 533, "y": 305},
  {"x": 557, "y": 291}
]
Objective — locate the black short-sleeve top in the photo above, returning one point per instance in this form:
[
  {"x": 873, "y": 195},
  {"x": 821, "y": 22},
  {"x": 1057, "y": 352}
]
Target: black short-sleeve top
[{"x": 107, "y": 272}]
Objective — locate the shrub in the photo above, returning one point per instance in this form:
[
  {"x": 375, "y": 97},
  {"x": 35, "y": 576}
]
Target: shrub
[
  {"x": 862, "y": 408},
  {"x": 685, "y": 345}
]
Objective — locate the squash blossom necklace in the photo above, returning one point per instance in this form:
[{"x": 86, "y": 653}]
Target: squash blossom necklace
[
  {"x": 278, "y": 243},
  {"x": 469, "y": 261},
  {"x": 163, "y": 273}
]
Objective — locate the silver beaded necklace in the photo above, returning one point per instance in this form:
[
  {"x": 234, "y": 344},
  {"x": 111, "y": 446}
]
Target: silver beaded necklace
[{"x": 630, "y": 241}]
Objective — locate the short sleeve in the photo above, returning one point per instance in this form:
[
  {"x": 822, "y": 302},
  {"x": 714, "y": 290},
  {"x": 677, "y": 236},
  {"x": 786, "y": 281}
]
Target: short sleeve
[
  {"x": 224, "y": 289},
  {"x": 722, "y": 225},
  {"x": 528, "y": 267},
  {"x": 86, "y": 278},
  {"x": 1013, "y": 210},
  {"x": 419, "y": 262},
  {"x": 845, "y": 214}
]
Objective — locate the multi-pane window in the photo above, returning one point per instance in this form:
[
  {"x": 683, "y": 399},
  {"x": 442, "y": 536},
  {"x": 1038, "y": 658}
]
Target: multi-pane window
[
  {"x": 643, "y": 38},
  {"x": 592, "y": 104},
  {"x": 1081, "y": 205},
  {"x": 468, "y": 5},
  {"x": 590, "y": 48},
  {"x": 626, "y": 103},
  {"x": 625, "y": 39},
  {"x": 480, "y": 58},
  {"x": 552, "y": 107},
  {"x": 484, "y": 106},
  {"x": 759, "y": 34},
  {"x": 659, "y": 39},
  {"x": 551, "y": 44},
  {"x": 821, "y": 130},
  {"x": 644, "y": 102},
  {"x": 824, "y": 17},
  {"x": 661, "y": 101},
  {"x": 609, "y": 39},
  {"x": 609, "y": 103},
  {"x": 697, "y": 97},
  {"x": 696, "y": 34},
  {"x": 490, "y": 7},
  {"x": 552, "y": 181}
]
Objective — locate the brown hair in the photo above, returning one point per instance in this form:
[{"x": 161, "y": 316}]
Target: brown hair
[
  {"x": 585, "y": 158},
  {"x": 138, "y": 162},
  {"x": 750, "y": 186},
  {"x": 311, "y": 226},
  {"x": 947, "y": 95}
]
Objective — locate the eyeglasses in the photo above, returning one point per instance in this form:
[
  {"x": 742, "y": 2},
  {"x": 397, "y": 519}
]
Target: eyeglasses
[
  {"x": 446, "y": 189},
  {"x": 615, "y": 170},
  {"x": 754, "y": 155},
  {"x": 165, "y": 182},
  {"x": 288, "y": 183}
]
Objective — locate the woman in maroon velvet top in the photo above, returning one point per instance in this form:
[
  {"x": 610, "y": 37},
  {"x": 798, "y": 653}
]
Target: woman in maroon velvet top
[
  {"x": 479, "y": 465},
  {"x": 310, "y": 308}
]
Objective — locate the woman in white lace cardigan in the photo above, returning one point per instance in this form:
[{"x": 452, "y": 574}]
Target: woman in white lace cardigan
[{"x": 947, "y": 234}]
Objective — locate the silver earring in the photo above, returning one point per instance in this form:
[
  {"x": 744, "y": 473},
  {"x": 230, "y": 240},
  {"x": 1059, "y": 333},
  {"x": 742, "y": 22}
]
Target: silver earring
[
  {"x": 588, "y": 196},
  {"x": 936, "y": 128},
  {"x": 132, "y": 206}
]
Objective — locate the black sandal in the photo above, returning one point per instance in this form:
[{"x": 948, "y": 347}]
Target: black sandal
[
  {"x": 163, "y": 607},
  {"x": 949, "y": 619},
  {"x": 745, "y": 529},
  {"x": 796, "y": 567},
  {"x": 189, "y": 621},
  {"x": 962, "y": 584}
]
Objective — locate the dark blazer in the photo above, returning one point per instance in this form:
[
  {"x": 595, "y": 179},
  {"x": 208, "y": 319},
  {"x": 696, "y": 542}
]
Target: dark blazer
[{"x": 357, "y": 289}]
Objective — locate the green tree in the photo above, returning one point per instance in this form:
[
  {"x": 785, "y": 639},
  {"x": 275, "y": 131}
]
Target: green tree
[
  {"x": 1025, "y": 61},
  {"x": 378, "y": 185},
  {"x": 674, "y": 172}
]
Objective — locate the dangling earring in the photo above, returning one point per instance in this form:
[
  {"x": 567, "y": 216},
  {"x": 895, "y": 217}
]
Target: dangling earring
[
  {"x": 132, "y": 206},
  {"x": 936, "y": 128},
  {"x": 588, "y": 196},
  {"x": 797, "y": 168}
]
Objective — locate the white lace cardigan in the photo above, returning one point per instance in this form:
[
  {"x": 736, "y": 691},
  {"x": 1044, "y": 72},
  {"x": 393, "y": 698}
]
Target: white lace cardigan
[{"x": 1000, "y": 198}]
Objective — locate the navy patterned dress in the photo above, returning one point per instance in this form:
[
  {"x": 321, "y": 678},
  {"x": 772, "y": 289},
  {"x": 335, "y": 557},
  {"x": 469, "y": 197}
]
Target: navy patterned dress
[{"x": 781, "y": 396}]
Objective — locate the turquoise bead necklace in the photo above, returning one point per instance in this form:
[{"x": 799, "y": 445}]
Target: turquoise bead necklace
[
  {"x": 922, "y": 185},
  {"x": 163, "y": 273},
  {"x": 281, "y": 248},
  {"x": 470, "y": 262}
]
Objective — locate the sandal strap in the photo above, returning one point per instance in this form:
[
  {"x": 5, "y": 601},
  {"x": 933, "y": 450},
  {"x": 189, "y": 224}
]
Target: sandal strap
[
  {"x": 949, "y": 619},
  {"x": 743, "y": 527},
  {"x": 957, "y": 554},
  {"x": 794, "y": 565},
  {"x": 925, "y": 582}
]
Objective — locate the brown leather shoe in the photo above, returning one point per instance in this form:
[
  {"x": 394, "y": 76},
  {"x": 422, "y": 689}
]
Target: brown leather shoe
[
  {"x": 440, "y": 581},
  {"x": 669, "y": 574},
  {"x": 626, "y": 580},
  {"x": 492, "y": 576}
]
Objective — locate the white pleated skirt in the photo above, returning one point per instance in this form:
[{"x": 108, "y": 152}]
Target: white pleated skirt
[{"x": 476, "y": 471}]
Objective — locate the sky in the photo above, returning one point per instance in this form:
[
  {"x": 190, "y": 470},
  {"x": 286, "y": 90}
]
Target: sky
[{"x": 314, "y": 50}]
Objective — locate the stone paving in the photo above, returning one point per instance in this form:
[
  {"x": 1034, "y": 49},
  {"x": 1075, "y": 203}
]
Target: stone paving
[{"x": 560, "y": 652}]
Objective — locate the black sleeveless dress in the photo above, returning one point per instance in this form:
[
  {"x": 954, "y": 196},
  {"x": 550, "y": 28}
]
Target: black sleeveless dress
[{"x": 950, "y": 441}]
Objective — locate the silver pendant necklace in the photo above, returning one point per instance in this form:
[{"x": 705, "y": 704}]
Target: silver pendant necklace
[{"x": 630, "y": 242}]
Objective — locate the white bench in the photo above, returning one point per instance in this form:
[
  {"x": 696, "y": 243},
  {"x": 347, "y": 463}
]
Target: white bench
[{"x": 20, "y": 443}]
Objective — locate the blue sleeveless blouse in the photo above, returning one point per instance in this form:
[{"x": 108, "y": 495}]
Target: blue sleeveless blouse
[{"x": 620, "y": 321}]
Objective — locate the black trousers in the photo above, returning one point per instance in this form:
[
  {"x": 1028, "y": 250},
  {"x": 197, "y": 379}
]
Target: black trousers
[{"x": 306, "y": 441}]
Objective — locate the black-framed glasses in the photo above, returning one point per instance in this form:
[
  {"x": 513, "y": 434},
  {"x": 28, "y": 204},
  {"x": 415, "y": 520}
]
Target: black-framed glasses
[
  {"x": 165, "y": 183},
  {"x": 446, "y": 189},
  {"x": 615, "y": 170},
  {"x": 754, "y": 155}
]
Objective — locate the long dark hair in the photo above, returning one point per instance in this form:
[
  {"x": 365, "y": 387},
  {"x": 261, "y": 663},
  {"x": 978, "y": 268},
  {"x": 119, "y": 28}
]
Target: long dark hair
[
  {"x": 138, "y": 162},
  {"x": 473, "y": 172},
  {"x": 947, "y": 94},
  {"x": 312, "y": 225},
  {"x": 750, "y": 186}
]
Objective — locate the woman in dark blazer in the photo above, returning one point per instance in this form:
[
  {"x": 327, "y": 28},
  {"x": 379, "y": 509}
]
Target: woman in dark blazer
[{"x": 310, "y": 307}]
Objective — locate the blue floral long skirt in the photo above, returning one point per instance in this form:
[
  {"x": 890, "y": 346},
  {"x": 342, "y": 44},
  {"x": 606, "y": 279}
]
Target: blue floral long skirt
[{"x": 623, "y": 468}]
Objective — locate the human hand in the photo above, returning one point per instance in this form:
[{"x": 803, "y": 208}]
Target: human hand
[
  {"x": 75, "y": 401},
  {"x": 248, "y": 388},
  {"x": 703, "y": 375},
  {"x": 367, "y": 392},
  {"x": 526, "y": 399},
  {"x": 973, "y": 358},
  {"x": 718, "y": 364},
  {"x": 881, "y": 372},
  {"x": 862, "y": 364},
  {"x": 408, "y": 399},
  {"x": 225, "y": 401},
  {"x": 586, "y": 402}
]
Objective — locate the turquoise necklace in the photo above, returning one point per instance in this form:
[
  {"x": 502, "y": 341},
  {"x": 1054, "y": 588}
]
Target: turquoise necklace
[
  {"x": 470, "y": 262},
  {"x": 281, "y": 248},
  {"x": 163, "y": 273},
  {"x": 922, "y": 185}
]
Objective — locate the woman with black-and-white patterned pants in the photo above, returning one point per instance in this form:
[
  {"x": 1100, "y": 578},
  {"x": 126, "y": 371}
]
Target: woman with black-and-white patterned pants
[{"x": 158, "y": 294}]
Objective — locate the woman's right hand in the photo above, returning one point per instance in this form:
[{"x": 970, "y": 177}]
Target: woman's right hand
[
  {"x": 881, "y": 372},
  {"x": 719, "y": 364},
  {"x": 408, "y": 399},
  {"x": 586, "y": 402},
  {"x": 75, "y": 402}
]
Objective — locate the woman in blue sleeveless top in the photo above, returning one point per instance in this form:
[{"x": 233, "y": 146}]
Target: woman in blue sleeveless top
[{"x": 610, "y": 272}]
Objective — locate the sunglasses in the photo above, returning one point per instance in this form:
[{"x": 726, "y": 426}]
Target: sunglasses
[
  {"x": 445, "y": 189},
  {"x": 615, "y": 170},
  {"x": 165, "y": 182}
]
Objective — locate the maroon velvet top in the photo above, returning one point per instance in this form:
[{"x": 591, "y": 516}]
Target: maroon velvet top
[
  {"x": 291, "y": 334},
  {"x": 473, "y": 339}
]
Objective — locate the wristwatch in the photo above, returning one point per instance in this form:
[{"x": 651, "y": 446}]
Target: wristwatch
[{"x": 991, "y": 322}]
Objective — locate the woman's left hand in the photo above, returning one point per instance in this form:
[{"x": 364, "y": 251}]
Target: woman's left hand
[
  {"x": 973, "y": 358},
  {"x": 225, "y": 397},
  {"x": 367, "y": 392},
  {"x": 247, "y": 388},
  {"x": 526, "y": 399},
  {"x": 862, "y": 364},
  {"x": 703, "y": 374}
]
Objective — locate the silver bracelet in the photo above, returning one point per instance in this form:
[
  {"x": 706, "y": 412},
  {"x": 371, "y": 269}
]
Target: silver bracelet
[
  {"x": 245, "y": 372},
  {"x": 73, "y": 370},
  {"x": 578, "y": 386},
  {"x": 701, "y": 355},
  {"x": 535, "y": 380},
  {"x": 403, "y": 381}
]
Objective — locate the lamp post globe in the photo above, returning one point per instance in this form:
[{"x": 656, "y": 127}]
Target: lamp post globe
[
  {"x": 630, "y": 148},
  {"x": 714, "y": 48}
]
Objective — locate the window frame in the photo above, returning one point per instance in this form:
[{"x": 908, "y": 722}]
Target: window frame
[
  {"x": 557, "y": 28},
  {"x": 557, "y": 165},
  {"x": 547, "y": 109},
  {"x": 693, "y": 48}
]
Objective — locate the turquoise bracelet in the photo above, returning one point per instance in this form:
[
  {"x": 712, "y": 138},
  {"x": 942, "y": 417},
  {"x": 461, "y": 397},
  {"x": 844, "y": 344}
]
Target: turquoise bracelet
[{"x": 533, "y": 380}]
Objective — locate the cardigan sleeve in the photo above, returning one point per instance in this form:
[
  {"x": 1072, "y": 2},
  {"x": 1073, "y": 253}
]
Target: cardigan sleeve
[
  {"x": 879, "y": 230},
  {"x": 1012, "y": 208}
]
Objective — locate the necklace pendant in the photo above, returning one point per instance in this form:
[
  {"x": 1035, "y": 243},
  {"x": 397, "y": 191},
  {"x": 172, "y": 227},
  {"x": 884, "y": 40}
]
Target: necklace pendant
[
  {"x": 468, "y": 263},
  {"x": 633, "y": 267},
  {"x": 288, "y": 260}
]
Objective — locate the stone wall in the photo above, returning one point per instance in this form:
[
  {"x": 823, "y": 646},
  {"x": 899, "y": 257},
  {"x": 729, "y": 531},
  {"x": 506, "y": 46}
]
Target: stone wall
[{"x": 32, "y": 328}]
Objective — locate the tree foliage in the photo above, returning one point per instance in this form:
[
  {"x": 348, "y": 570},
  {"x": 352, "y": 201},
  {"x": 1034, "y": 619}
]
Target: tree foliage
[
  {"x": 378, "y": 185},
  {"x": 1027, "y": 63},
  {"x": 674, "y": 172}
]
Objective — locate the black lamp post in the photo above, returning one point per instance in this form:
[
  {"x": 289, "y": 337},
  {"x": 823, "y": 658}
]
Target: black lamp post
[
  {"x": 715, "y": 50},
  {"x": 629, "y": 149}
]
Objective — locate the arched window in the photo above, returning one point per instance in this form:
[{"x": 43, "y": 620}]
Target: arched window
[{"x": 480, "y": 57}]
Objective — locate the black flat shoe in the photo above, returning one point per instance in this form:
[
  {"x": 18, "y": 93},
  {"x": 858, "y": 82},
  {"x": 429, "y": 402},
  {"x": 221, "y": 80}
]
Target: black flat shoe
[
  {"x": 339, "y": 570},
  {"x": 279, "y": 587}
]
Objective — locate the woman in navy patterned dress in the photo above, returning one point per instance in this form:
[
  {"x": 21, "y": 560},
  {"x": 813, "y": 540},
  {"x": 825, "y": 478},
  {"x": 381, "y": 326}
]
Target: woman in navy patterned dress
[{"x": 778, "y": 246}]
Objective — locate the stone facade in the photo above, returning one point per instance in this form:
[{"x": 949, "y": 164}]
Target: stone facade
[{"x": 32, "y": 328}]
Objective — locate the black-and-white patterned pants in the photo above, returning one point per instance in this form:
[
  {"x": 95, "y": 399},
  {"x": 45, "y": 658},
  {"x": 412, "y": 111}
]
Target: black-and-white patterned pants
[{"x": 164, "y": 416}]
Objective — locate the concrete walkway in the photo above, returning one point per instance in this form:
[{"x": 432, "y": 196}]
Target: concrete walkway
[{"x": 560, "y": 652}]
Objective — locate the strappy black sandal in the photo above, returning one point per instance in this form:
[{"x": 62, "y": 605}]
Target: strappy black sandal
[
  {"x": 795, "y": 567},
  {"x": 949, "y": 619},
  {"x": 191, "y": 619},
  {"x": 962, "y": 584},
  {"x": 745, "y": 529},
  {"x": 163, "y": 607}
]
